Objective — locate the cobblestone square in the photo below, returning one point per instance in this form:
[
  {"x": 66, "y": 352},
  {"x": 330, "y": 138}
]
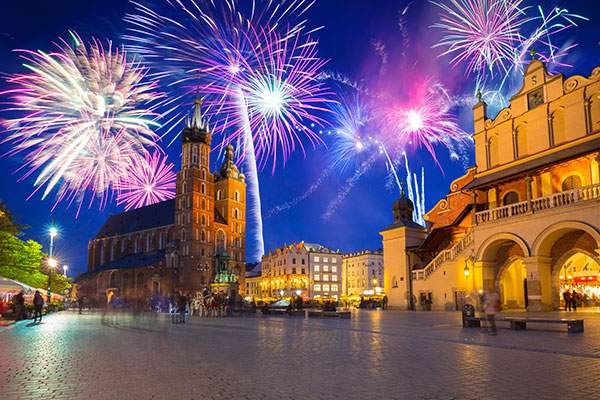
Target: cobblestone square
[{"x": 376, "y": 354}]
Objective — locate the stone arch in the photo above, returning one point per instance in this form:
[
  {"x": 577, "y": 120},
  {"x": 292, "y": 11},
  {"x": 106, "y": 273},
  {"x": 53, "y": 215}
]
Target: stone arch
[
  {"x": 556, "y": 268},
  {"x": 489, "y": 248},
  {"x": 113, "y": 280},
  {"x": 562, "y": 183},
  {"x": 139, "y": 282},
  {"x": 542, "y": 246},
  {"x": 511, "y": 197},
  {"x": 559, "y": 129},
  {"x": 512, "y": 288}
]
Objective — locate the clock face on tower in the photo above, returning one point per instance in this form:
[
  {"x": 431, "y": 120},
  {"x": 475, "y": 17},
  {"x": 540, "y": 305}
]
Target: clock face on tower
[{"x": 535, "y": 98}]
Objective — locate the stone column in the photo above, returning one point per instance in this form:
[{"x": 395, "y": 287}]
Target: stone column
[
  {"x": 474, "y": 209},
  {"x": 528, "y": 180},
  {"x": 539, "y": 283}
]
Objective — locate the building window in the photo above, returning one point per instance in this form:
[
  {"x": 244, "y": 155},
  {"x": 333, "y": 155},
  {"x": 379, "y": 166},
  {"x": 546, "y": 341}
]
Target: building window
[
  {"x": 510, "y": 198},
  {"x": 203, "y": 188},
  {"x": 317, "y": 277},
  {"x": 334, "y": 260},
  {"x": 203, "y": 204},
  {"x": 334, "y": 268},
  {"x": 303, "y": 261},
  {"x": 571, "y": 182},
  {"x": 184, "y": 187},
  {"x": 183, "y": 235},
  {"x": 303, "y": 271},
  {"x": 334, "y": 277},
  {"x": 325, "y": 268},
  {"x": 236, "y": 196},
  {"x": 325, "y": 277},
  {"x": 203, "y": 220},
  {"x": 334, "y": 288},
  {"x": 293, "y": 270},
  {"x": 317, "y": 288},
  {"x": 492, "y": 152},
  {"x": 316, "y": 259},
  {"x": 293, "y": 261},
  {"x": 123, "y": 246},
  {"x": 317, "y": 268},
  {"x": 203, "y": 175},
  {"x": 325, "y": 259},
  {"x": 148, "y": 243},
  {"x": 325, "y": 288},
  {"x": 219, "y": 195}
]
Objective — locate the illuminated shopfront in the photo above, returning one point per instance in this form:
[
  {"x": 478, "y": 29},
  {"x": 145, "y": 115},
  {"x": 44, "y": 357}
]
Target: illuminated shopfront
[{"x": 580, "y": 273}]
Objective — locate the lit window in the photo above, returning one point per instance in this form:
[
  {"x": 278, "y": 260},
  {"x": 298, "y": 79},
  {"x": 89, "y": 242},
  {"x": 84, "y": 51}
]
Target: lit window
[
  {"x": 334, "y": 260},
  {"x": 326, "y": 288},
  {"x": 316, "y": 259},
  {"x": 317, "y": 277},
  {"x": 317, "y": 288},
  {"x": 334, "y": 277},
  {"x": 325, "y": 259},
  {"x": 334, "y": 288},
  {"x": 317, "y": 268},
  {"x": 325, "y": 268},
  {"x": 334, "y": 268},
  {"x": 325, "y": 277}
]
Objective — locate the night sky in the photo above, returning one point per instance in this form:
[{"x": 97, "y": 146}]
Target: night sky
[{"x": 351, "y": 27}]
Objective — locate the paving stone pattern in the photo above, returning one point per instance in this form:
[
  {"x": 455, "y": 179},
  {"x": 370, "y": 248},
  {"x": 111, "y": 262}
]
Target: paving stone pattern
[{"x": 374, "y": 355}]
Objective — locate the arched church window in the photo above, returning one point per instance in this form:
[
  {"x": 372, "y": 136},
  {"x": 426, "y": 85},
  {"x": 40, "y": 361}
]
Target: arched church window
[
  {"x": 219, "y": 195},
  {"x": 148, "y": 243},
  {"x": 203, "y": 175},
  {"x": 236, "y": 196},
  {"x": 221, "y": 241},
  {"x": 571, "y": 182},
  {"x": 203, "y": 220},
  {"x": 203, "y": 204},
  {"x": 123, "y": 242},
  {"x": 184, "y": 187},
  {"x": 203, "y": 236},
  {"x": 235, "y": 213},
  {"x": 161, "y": 240},
  {"x": 195, "y": 155},
  {"x": 183, "y": 235},
  {"x": 203, "y": 189}
]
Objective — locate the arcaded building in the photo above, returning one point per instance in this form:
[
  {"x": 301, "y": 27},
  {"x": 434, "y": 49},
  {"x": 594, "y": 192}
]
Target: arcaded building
[
  {"x": 189, "y": 243},
  {"x": 525, "y": 221}
]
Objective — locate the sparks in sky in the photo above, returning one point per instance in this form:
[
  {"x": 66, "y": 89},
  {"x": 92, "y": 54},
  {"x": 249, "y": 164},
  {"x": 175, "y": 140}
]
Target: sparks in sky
[
  {"x": 85, "y": 112},
  {"x": 482, "y": 33},
  {"x": 148, "y": 180},
  {"x": 422, "y": 120}
]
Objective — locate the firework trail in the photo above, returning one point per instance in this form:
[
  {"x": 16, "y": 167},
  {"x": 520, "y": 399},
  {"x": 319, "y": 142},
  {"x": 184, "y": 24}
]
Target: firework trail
[
  {"x": 417, "y": 198},
  {"x": 291, "y": 203},
  {"x": 258, "y": 68},
  {"x": 350, "y": 183},
  {"x": 85, "y": 115},
  {"x": 148, "y": 180}
]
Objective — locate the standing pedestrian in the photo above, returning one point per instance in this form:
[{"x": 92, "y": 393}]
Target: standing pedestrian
[
  {"x": 19, "y": 300},
  {"x": 38, "y": 303},
  {"x": 567, "y": 297},
  {"x": 491, "y": 307},
  {"x": 574, "y": 300},
  {"x": 384, "y": 302}
]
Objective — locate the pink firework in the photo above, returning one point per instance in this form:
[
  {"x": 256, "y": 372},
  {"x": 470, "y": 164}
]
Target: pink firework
[
  {"x": 148, "y": 180},
  {"x": 423, "y": 120}
]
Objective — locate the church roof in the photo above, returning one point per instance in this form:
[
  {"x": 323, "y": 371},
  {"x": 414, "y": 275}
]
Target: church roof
[
  {"x": 132, "y": 261},
  {"x": 153, "y": 216},
  {"x": 406, "y": 223}
]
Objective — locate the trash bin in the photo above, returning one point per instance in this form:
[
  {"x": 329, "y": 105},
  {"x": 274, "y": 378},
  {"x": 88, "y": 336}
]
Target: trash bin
[{"x": 468, "y": 311}]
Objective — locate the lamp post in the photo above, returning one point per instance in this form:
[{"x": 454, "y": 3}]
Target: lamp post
[
  {"x": 65, "y": 268},
  {"x": 51, "y": 262}
]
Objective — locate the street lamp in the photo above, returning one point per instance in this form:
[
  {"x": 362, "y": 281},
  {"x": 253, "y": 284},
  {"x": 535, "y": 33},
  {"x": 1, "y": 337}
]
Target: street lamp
[
  {"x": 65, "y": 268},
  {"x": 51, "y": 262},
  {"x": 466, "y": 271}
]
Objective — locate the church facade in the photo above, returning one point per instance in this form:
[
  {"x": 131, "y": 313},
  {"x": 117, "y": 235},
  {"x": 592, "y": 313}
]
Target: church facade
[
  {"x": 193, "y": 242},
  {"x": 525, "y": 221}
]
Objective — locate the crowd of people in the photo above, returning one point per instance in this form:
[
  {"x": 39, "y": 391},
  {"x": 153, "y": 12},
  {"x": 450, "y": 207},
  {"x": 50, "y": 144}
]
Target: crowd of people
[{"x": 574, "y": 299}]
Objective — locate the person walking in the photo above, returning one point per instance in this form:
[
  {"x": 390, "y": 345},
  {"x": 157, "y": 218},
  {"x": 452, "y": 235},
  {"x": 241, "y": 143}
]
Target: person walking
[
  {"x": 38, "y": 303},
  {"x": 19, "y": 300},
  {"x": 575, "y": 299},
  {"x": 384, "y": 302},
  {"x": 80, "y": 301},
  {"x": 491, "y": 307},
  {"x": 181, "y": 305},
  {"x": 567, "y": 297}
]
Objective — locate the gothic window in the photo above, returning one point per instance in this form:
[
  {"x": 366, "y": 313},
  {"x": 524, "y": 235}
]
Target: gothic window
[
  {"x": 203, "y": 204},
  {"x": 136, "y": 247},
  {"x": 203, "y": 235},
  {"x": 148, "y": 243},
  {"x": 221, "y": 241},
  {"x": 183, "y": 235},
  {"x": 113, "y": 280},
  {"x": 236, "y": 196},
  {"x": 195, "y": 155},
  {"x": 188, "y": 202},
  {"x": 123, "y": 241},
  {"x": 571, "y": 182},
  {"x": 203, "y": 156},
  {"x": 139, "y": 280},
  {"x": 112, "y": 252},
  {"x": 203, "y": 220},
  {"x": 197, "y": 234},
  {"x": 161, "y": 240},
  {"x": 235, "y": 213},
  {"x": 219, "y": 195},
  {"x": 184, "y": 187},
  {"x": 203, "y": 175},
  {"x": 203, "y": 189},
  {"x": 510, "y": 198}
]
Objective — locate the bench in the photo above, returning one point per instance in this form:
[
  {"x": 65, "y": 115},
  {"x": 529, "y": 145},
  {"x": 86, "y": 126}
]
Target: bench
[
  {"x": 520, "y": 323},
  {"x": 329, "y": 314}
]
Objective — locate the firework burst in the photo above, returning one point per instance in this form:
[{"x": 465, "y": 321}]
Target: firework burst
[
  {"x": 148, "y": 180},
  {"x": 80, "y": 123}
]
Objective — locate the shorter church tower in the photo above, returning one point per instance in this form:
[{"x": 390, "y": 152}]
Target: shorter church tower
[{"x": 403, "y": 234}]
